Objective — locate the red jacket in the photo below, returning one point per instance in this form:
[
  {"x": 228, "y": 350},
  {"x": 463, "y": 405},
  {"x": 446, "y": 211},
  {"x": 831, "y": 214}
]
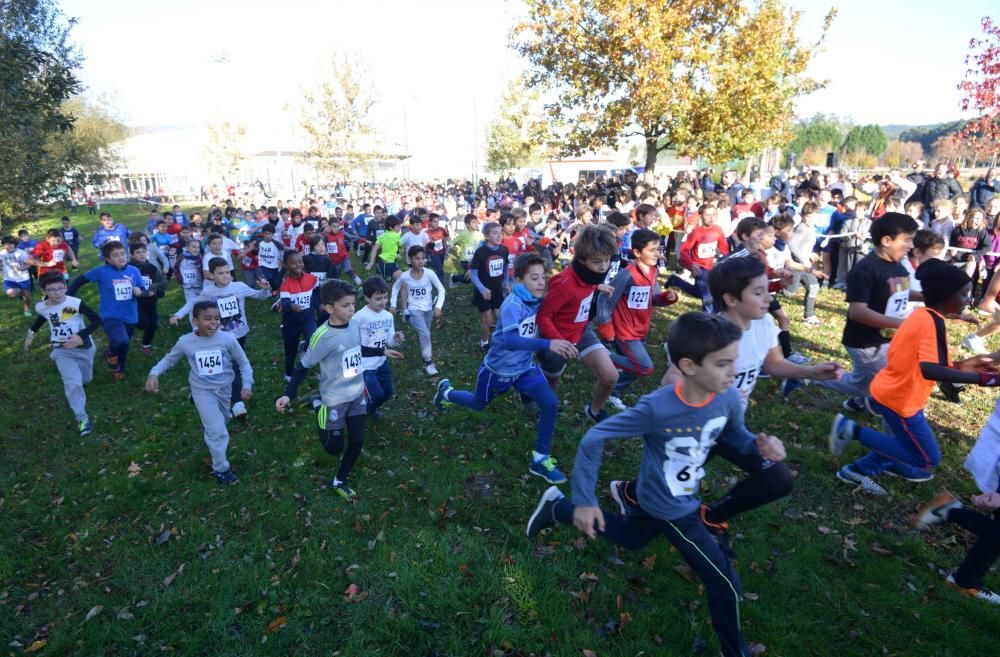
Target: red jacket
[
  {"x": 627, "y": 313},
  {"x": 565, "y": 310},
  {"x": 702, "y": 246},
  {"x": 336, "y": 248}
]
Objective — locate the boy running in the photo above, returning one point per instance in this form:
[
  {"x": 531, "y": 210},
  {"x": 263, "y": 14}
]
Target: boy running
[
  {"x": 421, "y": 309},
  {"x": 490, "y": 282}
]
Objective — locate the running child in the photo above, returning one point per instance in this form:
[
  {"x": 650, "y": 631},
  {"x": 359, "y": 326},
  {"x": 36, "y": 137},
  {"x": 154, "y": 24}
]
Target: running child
[
  {"x": 437, "y": 244},
  {"x": 148, "y": 318},
  {"x": 229, "y": 296},
  {"x": 422, "y": 310},
  {"x": 917, "y": 358},
  {"x": 213, "y": 356},
  {"x": 623, "y": 318},
  {"x": 569, "y": 306},
  {"x": 118, "y": 284},
  {"x": 878, "y": 296},
  {"x": 317, "y": 262},
  {"x": 704, "y": 348},
  {"x": 72, "y": 347},
  {"x": 189, "y": 271},
  {"x": 296, "y": 300},
  {"x": 386, "y": 250},
  {"x": 377, "y": 330},
  {"x": 16, "y": 277},
  {"x": 109, "y": 232},
  {"x": 338, "y": 252},
  {"x": 70, "y": 234},
  {"x": 508, "y": 364},
  {"x": 488, "y": 271},
  {"x": 53, "y": 253},
  {"x": 983, "y": 463},
  {"x": 464, "y": 247},
  {"x": 269, "y": 256},
  {"x": 336, "y": 348},
  {"x": 704, "y": 243}
]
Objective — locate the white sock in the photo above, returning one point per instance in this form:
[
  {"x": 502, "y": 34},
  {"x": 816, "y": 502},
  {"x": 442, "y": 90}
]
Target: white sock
[
  {"x": 538, "y": 458},
  {"x": 337, "y": 482}
]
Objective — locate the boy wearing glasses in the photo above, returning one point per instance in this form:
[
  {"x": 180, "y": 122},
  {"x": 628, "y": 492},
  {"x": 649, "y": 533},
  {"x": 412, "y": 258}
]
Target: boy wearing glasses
[{"x": 72, "y": 347}]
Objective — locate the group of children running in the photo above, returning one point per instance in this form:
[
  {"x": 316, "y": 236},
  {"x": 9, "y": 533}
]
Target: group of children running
[{"x": 532, "y": 326}]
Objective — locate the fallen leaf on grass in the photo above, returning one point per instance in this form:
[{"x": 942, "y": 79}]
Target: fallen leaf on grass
[
  {"x": 277, "y": 624},
  {"x": 649, "y": 563},
  {"x": 823, "y": 530},
  {"x": 169, "y": 579},
  {"x": 752, "y": 597},
  {"x": 125, "y": 614},
  {"x": 686, "y": 572},
  {"x": 355, "y": 594},
  {"x": 589, "y": 653},
  {"x": 134, "y": 470},
  {"x": 93, "y": 612},
  {"x": 36, "y": 645},
  {"x": 878, "y": 549},
  {"x": 757, "y": 649}
]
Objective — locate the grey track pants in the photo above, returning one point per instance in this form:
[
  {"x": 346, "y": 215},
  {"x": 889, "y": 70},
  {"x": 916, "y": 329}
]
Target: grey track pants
[
  {"x": 213, "y": 408},
  {"x": 76, "y": 369},
  {"x": 421, "y": 322},
  {"x": 867, "y": 363}
]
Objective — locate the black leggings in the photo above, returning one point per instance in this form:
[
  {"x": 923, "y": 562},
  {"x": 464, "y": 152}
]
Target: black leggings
[
  {"x": 148, "y": 320},
  {"x": 333, "y": 442},
  {"x": 984, "y": 551},
  {"x": 767, "y": 481}
]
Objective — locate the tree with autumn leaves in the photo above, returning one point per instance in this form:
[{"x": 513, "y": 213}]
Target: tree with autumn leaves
[
  {"x": 981, "y": 93},
  {"x": 714, "y": 79}
]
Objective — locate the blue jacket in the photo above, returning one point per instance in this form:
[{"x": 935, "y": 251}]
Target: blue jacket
[{"x": 117, "y": 232}]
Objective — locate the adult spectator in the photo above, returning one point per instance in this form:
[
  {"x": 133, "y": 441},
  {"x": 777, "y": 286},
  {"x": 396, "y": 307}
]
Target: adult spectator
[
  {"x": 734, "y": 188},
  {"x": 984, "y": 189},
  {"x": 940, "y": 186},
  {"x": 780, "y": 186}
]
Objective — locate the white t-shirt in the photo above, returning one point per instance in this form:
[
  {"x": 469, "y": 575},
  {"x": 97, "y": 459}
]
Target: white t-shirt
[
  {"x": 757, "y": 341},
  {"x": 419, "y": 291},
  {"x": 412, "y": 239},
  {"x": 225, "y": 255},
  {"x": 64, "y": 319},
  {"x": 777, "y": 258},
  {"x": 375, "y": 329}
]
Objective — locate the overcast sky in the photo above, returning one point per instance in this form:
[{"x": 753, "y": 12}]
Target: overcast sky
[{"x": 439, "y": 64}]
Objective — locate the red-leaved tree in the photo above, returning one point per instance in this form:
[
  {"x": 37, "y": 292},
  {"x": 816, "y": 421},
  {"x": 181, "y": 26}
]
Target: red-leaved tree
[{"x": 981, "y": 92}]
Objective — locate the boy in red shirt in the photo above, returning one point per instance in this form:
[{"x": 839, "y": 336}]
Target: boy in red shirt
[
  {"x": 624, "y": 317},
  {"x": 510, "y": 240},
  {"x": 437, "y": 244},
  {"x": 566, "y": 311},
  {"x": 704, "y": 243},
  {"x": 337, "y": 251},
  {"x": 53, "y": 252}
]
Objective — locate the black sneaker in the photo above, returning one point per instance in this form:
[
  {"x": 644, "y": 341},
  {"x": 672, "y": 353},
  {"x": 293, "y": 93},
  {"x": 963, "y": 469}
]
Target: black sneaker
[
  {"x": 543, "y": 516},
  {"x": 619, "y": 494},
  {"x": 951, "y": 392},
  {"x": 859, "y": 405},
  {"x": 720, "y": 532},
  {"x": 595, "y": 417},
  {"x": 226, "y": 478}
]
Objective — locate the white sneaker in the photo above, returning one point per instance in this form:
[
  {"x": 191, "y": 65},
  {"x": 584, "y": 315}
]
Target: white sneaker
[
  {"x": 863, "y": 481},
  {"x": 431, "y": 369},
  {"x": 975, "y": 344},
  {"x": 239, "y": 409},
  {"x": 983, "y": 593},
  {"x": 616, "y": 403}
]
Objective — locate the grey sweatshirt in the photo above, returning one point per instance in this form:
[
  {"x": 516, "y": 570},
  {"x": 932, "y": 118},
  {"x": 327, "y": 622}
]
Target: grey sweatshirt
[{"x": 212, "y": 360}]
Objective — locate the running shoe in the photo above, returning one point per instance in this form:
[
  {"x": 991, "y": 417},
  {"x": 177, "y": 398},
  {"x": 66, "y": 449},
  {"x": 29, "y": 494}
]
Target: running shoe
[
  {"x": 720, "y": 532},
  {"x": 239, "y": 409},
  {"x": 985, "y": 594},
  {"x": 788, "y": 386},
  {"x": 226, "y": 478},
  {"x": 431, "y": 369},
  {"x": 937, "y": 511},
  {"x": 543, "y": 516},
  {"x": 85, "y": 427},
  {"x": 975, "y": 344},
  {"x": 595, "y": 417},
  {"x": 841, "y": 434},
  {"x": 547, "y": 470},
  {"x": 344, "y": 491},
  {"x": 616, "y": 403},
  {"x": 867, "y": 484},
  {"x": 441, "y": 396}
]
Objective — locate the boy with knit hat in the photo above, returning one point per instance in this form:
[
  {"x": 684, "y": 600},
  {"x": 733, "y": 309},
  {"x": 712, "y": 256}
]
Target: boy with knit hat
[{"x": 917, "y": 358}]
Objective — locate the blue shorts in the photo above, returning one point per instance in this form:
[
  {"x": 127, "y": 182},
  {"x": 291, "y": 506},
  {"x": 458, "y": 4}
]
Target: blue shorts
[
  {"x": 17, "y": 285},
  {"x": 490, "y": 385},
  {"x": 385, "y": 269}
]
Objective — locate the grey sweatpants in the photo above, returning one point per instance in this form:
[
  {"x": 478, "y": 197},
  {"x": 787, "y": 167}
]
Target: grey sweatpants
[
  {"x": 867, "y": 363},
  {"x": 421, "y": 321},
  {"x": 213, "y": 408},
  {"x": 76, "y": 369}
]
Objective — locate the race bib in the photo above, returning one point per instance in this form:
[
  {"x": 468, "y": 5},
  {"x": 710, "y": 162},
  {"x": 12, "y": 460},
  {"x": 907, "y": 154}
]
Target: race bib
[
  {"x": 208, "y": 362},
  {"x": 612, "y": 271},
  {"x": 438, "y": 245},
  {"x": 583, "y": 312},
  {"x": 68, "y": 236},
  {"x": 744, "y": 381},
  {"x": 267, "y": 255},
  {"x": 510, "y": 259},
  {"x": 61, "y": 333},
  {"x": 418, "y": 292},
  {"x": 229, "y": 306},
  {"x": 112, "y": 238},
  {"x": 320, "y": 276},
  {"x": 707, "y": 249},
  {"x": 378, "y": 234},
  {"x": 527, "y": 328},
  {"x": 638, "y": 297},
  {"x": 898, "y": 304},
  {"x": 469, "y": 252},
  {"x": 496, "y": 268},
  {"x": 351, "y": 362},
  {"x": 59, "y": 255},
  {"x": 685, "y": 456},
  {"x": 123, "y": 289},
  {"x": 147, "y": 281},
  {"x": 331, "y": 248},
  {"x": 189, "y": 276},
  {"x": 302, "y": 299}
]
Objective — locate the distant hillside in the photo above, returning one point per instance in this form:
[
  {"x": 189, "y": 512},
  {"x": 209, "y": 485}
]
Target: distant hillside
[{"x": 925, "y": 135}]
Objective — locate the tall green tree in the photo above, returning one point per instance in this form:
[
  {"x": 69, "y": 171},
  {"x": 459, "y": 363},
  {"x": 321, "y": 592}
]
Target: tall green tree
[
  {"x": 38, "y": 68},
  {"x": 335, "y": 117},
  {"x": 709, "y": 78},
  {"x": 819, "y": 132},
  {"x": 519, "y": 134},
  {"x": 868, "y": 139},
  {"x": 85, "y": 154}
]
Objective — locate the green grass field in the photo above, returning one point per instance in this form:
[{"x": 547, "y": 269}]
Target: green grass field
[{"x": 120, "y": 543}]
